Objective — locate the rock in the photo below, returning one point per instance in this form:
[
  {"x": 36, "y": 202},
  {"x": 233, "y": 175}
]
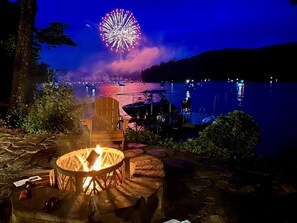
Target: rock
[
  {"x": 179, "y": 164},
  {"x": 133, "y": 152},
  {"x": 176, "y": 221},
  {"x": 172, "y": 221},
  {"x": 43, "y": 157},
  {"x": 136, "y": 145},
  {"x": 159, "y": 153}
]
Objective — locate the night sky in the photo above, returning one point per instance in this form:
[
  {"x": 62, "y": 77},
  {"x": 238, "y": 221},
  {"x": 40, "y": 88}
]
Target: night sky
[{"x": 170, "y": 29}]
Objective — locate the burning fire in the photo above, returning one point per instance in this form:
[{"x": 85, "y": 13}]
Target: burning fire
[
  {"x": 97, "y": 165},
  {"x": 90, "y": 164},
  {"x": 95, "y": 169},
  {"x": 93, "y": 162}
]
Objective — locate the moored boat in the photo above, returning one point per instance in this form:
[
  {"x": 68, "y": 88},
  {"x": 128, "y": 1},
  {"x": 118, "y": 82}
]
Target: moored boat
[
  {"x": 153, "y": 103},
  {"x": 208, "y": 120},
  {"x": 120, "y": 83}
]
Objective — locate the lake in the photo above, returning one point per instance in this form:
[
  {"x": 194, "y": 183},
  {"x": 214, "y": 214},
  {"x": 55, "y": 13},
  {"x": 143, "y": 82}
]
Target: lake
[{"x": 272, "y": 105}]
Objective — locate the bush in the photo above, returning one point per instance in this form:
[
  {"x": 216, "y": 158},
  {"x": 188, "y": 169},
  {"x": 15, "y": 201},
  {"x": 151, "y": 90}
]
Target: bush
[
  {"x": 145, "y": 136},
  {"x": 150, "y": 138},
  {"x": 232, "y": 136},
  {"x": 54, "y": 110}
]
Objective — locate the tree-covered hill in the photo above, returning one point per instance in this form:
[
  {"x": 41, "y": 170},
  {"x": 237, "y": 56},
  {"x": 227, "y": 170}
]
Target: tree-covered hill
[{"x": 277, "y": 61}]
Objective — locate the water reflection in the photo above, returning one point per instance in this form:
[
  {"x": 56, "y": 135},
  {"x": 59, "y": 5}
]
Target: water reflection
[
  {"x": 93, "y": 92},
  {"x": 188, "y": 95},
  {"x": 240, "y": 94},
  {"x": 205, "y": 99},
  {"x": 221, "y": 98},
  {"x": 127, "y": 94}
]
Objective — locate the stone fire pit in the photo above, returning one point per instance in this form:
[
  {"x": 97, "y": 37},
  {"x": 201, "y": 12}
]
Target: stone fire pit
[{"x": 134, "y": 194}]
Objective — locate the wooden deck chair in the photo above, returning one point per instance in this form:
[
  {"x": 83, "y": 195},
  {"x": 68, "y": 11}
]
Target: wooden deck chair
[{"x": 106, "y": 124}]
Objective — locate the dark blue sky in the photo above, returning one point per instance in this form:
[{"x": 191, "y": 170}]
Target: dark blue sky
[{"x": 170, "y": 29}]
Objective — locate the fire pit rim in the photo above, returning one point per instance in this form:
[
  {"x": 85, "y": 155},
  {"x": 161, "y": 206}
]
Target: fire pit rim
[{"x": 92, "y": 172}]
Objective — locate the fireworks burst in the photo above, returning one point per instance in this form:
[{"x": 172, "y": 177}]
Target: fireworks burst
[{"x": 119, "y": 30}]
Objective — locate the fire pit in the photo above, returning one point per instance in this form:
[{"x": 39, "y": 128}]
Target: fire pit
[
  {"x": 128, "y": 187},
  {"x": 90, "y": 170}
]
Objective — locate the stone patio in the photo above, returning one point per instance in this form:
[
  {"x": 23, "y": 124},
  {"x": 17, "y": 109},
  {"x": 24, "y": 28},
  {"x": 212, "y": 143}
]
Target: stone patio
[
  {"x": 199, "y": 190},
  {"x": 138, "y": 199}
]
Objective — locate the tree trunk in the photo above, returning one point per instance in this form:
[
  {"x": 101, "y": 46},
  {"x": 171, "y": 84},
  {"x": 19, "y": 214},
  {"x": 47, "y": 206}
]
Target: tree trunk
[{"x": 23, "y": 56}]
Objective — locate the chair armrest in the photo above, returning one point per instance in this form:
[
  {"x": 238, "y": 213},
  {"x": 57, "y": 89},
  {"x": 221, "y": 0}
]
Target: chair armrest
[
  {"x": 126, "y": 120},
  {"x": 88, "y": 122}
]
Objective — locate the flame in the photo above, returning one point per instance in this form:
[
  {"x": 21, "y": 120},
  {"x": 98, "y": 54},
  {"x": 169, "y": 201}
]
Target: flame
[{"x": 97, "y": 165}]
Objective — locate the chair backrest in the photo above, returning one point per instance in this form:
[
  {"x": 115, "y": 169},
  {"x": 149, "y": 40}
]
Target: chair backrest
[{"x": 107, "y": 114}]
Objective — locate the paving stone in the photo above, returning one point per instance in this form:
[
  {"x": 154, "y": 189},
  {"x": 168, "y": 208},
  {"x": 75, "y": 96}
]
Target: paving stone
[
  {"x": 179, "y": 164},
  {"x": 136, "y": 145},
  {"x": 190, "y": 180},
  {"x": 139, "y": 198},
  {"x": 159, "y": 153},
  {"x": 72, "y": 207},
  {"x": 133, "y": 152}
]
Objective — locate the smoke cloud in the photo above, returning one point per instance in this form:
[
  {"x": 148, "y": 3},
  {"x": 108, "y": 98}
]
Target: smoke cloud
[{"x": 133, "y": 63}]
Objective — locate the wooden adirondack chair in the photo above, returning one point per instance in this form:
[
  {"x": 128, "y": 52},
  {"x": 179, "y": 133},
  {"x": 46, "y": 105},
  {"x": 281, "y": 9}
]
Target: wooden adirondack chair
[{"x": 106, "y": 124}]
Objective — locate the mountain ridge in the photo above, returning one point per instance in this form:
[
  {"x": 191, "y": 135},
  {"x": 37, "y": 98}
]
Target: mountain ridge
[{"x": 256, "y": 64}]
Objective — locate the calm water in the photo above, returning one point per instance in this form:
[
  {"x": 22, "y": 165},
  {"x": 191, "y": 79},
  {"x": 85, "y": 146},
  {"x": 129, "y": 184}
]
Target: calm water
[{"x": 273, "y": 106}]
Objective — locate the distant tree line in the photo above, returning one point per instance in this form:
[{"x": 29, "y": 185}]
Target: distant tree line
[
  {"x": 277, "y": 61},
  {"x": 293, "y": 2}
]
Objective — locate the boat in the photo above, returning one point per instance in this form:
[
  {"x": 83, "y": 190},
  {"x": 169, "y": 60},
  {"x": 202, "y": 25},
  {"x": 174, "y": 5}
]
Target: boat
[
  {"x": 189, "y": 85},
  {"x": 208, "y": 120},
  {"x": 120, "y": 83},
  {"x": 152, "y": 103}
]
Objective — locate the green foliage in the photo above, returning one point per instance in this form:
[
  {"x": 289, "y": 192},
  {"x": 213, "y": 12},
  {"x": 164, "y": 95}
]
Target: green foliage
[
  {"x": 50, "y": 37},
  {"x": 54, "y": 36},
  {"x": 233, "y": 136},
  {"x": 55, "y": 110},
  {"x": 150, "y": 138},
  {"x": 171, "y": 144},
  {"x": 145, "y": 136}
]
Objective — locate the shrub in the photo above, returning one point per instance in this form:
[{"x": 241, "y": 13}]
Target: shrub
[
  {"x": 54, "y": 110},
  {"x": 150, "y": 138},
  {"x": 232, "y": 136},
  {"x": 145, "y": 136}
]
